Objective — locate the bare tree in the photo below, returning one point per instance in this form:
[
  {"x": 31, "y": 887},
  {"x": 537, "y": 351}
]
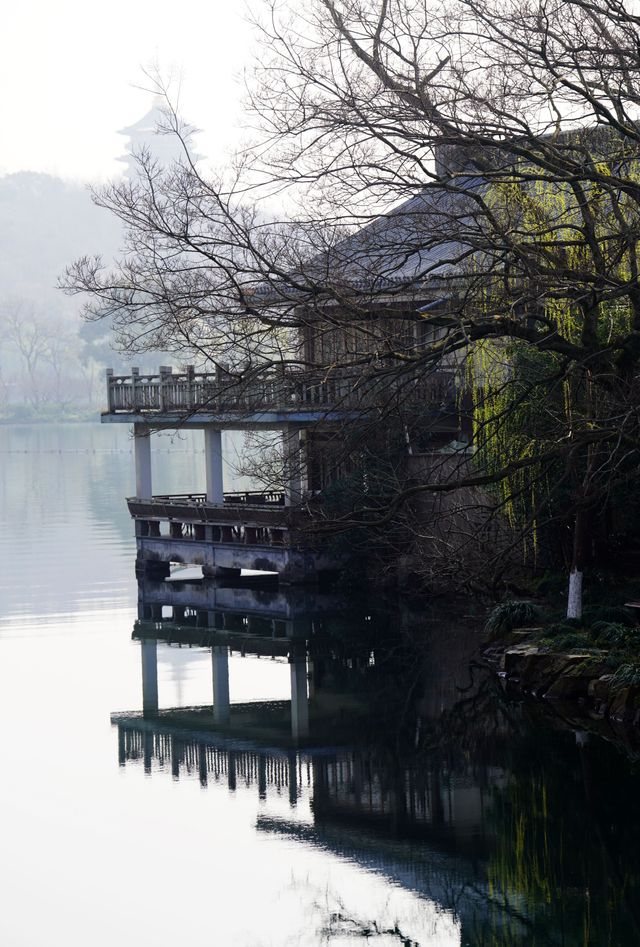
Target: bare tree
[
  {"x": 25, "y": 329},
  {"x": 434, "y": 188}
]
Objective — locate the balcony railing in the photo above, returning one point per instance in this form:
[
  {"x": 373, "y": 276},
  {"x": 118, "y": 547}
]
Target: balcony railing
[
  {"x": 259, "y": 498},
  {"x": 189, "y": 392},
  {"x": 252, "y": 509},
  {"x": 256, "y": 520}
]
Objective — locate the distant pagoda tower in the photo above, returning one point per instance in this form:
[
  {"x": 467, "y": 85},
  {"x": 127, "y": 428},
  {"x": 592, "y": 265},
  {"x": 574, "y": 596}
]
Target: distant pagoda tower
[{"x": 165, "y": 148}]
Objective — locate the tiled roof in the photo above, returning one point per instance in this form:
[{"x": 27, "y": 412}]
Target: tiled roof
[{"x": 405, "y": 250}]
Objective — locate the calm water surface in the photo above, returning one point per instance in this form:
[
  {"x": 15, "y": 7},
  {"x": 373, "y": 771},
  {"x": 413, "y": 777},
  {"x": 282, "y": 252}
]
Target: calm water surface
[{"x": 425, "y": 808}]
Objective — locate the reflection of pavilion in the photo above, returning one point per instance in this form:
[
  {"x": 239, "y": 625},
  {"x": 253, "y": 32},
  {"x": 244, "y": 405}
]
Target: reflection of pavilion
[
  {"x": 213, "y": 758},
  {"x": 259, "y": 620},
  {"x": 436, "y": 814},
  {"x": 424, "y": 827},
  {"x": 353, "y": 787},
  {"x": 252, "y": 715},
  {"x": 262, "y": 739},
  {"x": 261, "y": 608},
  {"x": 423, "y": 823}
]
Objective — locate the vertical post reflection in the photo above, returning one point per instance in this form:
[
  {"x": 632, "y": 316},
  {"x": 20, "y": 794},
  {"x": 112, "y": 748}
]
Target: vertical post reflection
[
  {"x": 147, "y": 751},
  {"x": 262, "y": 776},
  {"x": 293, "y": 779},
  {"x": 299, "y": 697},
  {"x": 149, "y": 655},
  {"x": 220, "y": 671}
]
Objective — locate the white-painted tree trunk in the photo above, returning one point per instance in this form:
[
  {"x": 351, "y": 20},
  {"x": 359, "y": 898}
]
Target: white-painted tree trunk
[{"x": 574, "y": 601}]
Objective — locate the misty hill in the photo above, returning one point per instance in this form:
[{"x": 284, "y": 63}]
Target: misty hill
[{"x": 45, "y": 224}]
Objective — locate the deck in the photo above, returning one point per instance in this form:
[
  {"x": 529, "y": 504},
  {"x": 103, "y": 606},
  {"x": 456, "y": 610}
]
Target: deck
[
  {"x": 262, "y": 531},
  {"x": 248, "y": 531},
  {"x": 249, "y": 517},
  {"x": 262, "y": 397}
]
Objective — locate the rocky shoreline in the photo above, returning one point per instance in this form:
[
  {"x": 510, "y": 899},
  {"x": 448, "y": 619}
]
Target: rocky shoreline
[{"x": 581, "y": 678}]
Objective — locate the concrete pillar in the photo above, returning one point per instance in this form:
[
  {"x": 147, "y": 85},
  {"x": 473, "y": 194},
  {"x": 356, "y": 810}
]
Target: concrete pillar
[
  {"x": 149, "y": 654},
  {"x": 299, "y": 697},
  {"x": 220, "y": 668},
  {"x": 213, "y": 462},
  {"x": 292, "y": 465},
  {"x": 142, "y": 457}
]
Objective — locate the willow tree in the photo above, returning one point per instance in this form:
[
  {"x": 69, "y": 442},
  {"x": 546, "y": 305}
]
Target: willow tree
[{"x": 451, "y": 185}]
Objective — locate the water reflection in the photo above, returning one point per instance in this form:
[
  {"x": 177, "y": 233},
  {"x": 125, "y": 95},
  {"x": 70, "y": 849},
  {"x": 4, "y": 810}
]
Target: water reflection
[
  {"x": 425, "y": 802},
  {"x": 522, "y": 831}
]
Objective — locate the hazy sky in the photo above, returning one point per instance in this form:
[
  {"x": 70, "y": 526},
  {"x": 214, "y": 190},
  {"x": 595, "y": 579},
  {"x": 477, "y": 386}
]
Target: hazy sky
[{"x": 68, "y": 71}]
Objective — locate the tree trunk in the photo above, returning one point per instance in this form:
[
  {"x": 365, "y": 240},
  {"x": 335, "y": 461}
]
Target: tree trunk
[{"x": 574, "y": 599}]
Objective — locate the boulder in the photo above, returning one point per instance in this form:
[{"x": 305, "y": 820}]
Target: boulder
[
  {"x": 574, "y": 680},
  {"x": 624, "y": 704}
]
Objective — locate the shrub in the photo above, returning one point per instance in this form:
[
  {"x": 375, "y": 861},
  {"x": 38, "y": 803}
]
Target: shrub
[
  {"x": 569, "y": 641},
  {"x": 509, "y": 615},
  {"x": 615, "y": 634},
  {"x": 627, "y": 675}
]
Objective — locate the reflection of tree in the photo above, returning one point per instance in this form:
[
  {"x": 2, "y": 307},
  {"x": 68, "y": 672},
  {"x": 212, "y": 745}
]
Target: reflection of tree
[
  {"x": 564, "y": 856},
  {"x": 340, "y": 925},
  {"x": 540, "y": 846},
  {"x": 562, "y": 845}
]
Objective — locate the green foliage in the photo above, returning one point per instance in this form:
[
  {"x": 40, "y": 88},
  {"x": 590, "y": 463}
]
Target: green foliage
[
  {"x": 569, "y": 641},
  {"x": 515, "y": 418},
  {"x": 614, "y": 634},
  {"x": 627, "y": 675},
  {"x": 527, "y": 401},
  {"x": 509, "y": 615}
]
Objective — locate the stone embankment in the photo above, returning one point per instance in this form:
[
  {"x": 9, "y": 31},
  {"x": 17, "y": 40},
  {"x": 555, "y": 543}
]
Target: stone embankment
[{"x": 579, "y": 677}]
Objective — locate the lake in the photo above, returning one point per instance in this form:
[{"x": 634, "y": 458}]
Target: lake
[{"x": 418, "y": 803}]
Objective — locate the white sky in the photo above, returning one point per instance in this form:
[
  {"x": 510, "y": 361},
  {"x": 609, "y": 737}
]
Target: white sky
[{"x": 69, "y": 71}]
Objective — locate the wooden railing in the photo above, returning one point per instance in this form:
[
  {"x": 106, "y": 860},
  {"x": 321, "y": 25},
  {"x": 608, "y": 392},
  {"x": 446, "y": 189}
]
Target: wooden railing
[{"x": 189, "y": 391}]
